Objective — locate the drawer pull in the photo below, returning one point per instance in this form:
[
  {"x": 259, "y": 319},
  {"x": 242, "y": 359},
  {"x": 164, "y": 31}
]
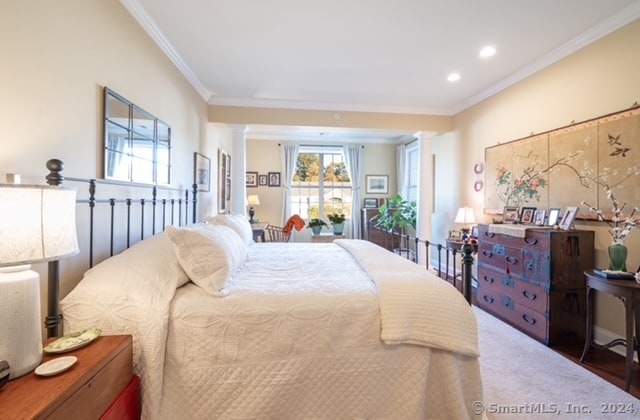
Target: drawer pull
[
  {"x": 487, "y": 299},
  {"x": 487, "y": 279},
  {"x": 508, "y": 281},
  {"x": 511, "y": 260},
  {"x": 530, "y": 266},
  {"x": 531, "y": 241},
  {"x": 489, "y": 234},
  {"x": 529, "y": 319},
  {"x": 507, "y": 302},
  {"x": 487, "y": 254},
  {"x": 529, "y": 295}
]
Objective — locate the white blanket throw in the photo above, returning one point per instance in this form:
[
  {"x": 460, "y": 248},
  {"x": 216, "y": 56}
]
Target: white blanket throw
[{"x": 417, "y": 307}]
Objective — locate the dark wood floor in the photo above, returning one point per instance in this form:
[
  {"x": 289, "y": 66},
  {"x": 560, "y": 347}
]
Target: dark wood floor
[{"x": 606, "y": 364}]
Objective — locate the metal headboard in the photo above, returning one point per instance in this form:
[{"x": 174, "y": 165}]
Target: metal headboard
[{"x": 163, "y": 211}]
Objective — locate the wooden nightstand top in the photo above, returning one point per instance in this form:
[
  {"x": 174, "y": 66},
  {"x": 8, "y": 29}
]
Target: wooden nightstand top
[{"x": 103, "y": 370}]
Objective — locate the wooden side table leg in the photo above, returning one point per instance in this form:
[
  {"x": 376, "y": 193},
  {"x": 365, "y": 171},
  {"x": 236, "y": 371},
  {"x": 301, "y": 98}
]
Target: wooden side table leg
[
  {"x": 628, "y": 309},
  {"x": 636, "y": 313},
  {"x": 588, "y": 336}
]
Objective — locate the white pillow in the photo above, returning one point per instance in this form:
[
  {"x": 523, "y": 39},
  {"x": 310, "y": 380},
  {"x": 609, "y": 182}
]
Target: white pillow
[
  {"x": 210, "y": 255},
  {"x": 237, "y": 222}
]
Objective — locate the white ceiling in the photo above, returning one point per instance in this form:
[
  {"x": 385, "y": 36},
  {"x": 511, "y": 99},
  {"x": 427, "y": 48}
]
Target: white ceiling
[{"x": 369, "y": 55}]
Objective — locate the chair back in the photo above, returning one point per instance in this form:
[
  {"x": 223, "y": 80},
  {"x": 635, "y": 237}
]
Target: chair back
[{"x": 276, "y": 234}]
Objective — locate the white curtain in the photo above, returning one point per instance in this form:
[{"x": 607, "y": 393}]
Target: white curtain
[
  {"x": 353, "y": 161},
  {"x": 401, "y": 170},
  {"x": 289, "y": 159}
]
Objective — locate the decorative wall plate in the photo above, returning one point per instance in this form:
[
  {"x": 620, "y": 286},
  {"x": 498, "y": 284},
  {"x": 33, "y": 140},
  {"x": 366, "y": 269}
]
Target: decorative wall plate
[
  {"x": 73, "y": 341},
  {"x": 478, "y": 185},
  {"x": 478, "y": 167}
]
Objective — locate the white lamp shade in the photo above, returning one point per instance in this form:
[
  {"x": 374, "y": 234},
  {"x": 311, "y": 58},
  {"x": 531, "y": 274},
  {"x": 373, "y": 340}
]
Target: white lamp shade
[
  {"x": 253, "y": 200},
  {"x": 465, "y": 216},
  {"x": 37, "y": 223}
]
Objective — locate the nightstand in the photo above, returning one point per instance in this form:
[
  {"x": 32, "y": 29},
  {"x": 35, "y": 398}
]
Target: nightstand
[
  {"x": 325, "y": 237},
  {"x": 103, "y": 372}
]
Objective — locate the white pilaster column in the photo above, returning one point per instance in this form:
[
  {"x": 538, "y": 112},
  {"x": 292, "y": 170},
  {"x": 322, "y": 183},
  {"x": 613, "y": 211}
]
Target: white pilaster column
[
  {"x": 425, "y": 192},
  {"x": 238, "y": 168}
]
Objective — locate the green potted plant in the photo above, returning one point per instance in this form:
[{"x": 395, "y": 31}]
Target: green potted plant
[
  {"x": 316, "y": 225},
  {"x": 397, "y": 214},
  {"x": 337, "y": 220}
]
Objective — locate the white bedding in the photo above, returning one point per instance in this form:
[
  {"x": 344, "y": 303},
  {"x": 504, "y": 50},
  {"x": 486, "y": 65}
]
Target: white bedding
[{"x": 297, "y": 337}]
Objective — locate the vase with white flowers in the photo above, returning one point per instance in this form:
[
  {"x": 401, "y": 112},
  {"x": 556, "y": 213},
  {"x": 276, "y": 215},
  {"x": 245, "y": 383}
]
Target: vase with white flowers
[{"x": 620, "y": 227}]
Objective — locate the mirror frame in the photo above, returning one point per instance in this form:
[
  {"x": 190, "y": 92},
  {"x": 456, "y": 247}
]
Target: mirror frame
[{"x": 137, "y": 146}]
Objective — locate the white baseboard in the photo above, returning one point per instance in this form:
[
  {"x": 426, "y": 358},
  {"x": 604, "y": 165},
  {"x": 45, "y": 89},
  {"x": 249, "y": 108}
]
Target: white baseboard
[{"x": 602, "y": 336}]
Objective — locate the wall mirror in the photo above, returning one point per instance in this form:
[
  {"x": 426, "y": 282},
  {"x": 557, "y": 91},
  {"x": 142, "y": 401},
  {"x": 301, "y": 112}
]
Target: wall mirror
[{"x": 137, "y": 145}]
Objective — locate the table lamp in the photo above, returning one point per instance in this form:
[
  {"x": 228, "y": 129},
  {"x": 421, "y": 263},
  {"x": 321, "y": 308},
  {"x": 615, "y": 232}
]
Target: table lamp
[
  {"x": 465, "y": 216},
  {"x": 252, "y": 200},
  {"x": 37, "y": 224}
]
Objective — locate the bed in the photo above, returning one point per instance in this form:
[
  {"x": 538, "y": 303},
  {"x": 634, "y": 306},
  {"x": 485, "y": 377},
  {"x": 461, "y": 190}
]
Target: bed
[{"x": 225, "y": 328}]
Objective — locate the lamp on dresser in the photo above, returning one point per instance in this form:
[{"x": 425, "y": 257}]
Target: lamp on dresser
[
  {"x": 465, "y": 217},
  {"x": 37, "y": 224}
]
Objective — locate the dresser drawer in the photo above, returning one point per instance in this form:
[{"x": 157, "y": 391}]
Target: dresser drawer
[
  {"x": 504, "y": 307},
  {"x": 529, "y": 295},
  {"x": 503, "y": 258},
  {"x": 534, "y": 239}
]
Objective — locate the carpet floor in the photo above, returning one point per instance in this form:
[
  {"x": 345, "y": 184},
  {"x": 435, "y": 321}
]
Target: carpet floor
[{"x": 523, "y": 379}]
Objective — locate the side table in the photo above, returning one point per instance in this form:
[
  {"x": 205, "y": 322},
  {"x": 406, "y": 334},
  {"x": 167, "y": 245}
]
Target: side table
[
  {"x": 258, "y": 231},
  {"x": 628, "y": 291},
  {"x": 103, "y": 371}
]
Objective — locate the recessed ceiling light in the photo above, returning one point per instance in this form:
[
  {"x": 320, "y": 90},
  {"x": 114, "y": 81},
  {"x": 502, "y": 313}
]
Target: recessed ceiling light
[
  {"x": 487, "y": 51},
  {"x": 453, "y": 77}
]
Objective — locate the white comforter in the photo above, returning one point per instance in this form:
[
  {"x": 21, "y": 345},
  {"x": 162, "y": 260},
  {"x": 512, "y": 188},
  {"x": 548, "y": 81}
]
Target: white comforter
[{"x": 297, "y": 337}]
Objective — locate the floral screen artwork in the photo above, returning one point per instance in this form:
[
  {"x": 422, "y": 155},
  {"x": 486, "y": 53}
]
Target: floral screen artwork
[{"x": 564, "y": 167}]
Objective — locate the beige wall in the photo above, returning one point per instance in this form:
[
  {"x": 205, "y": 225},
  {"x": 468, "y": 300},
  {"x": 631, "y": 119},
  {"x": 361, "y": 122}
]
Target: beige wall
[
  {"x": 600, "y": 79},
  {"x": 56, "y": 59}
]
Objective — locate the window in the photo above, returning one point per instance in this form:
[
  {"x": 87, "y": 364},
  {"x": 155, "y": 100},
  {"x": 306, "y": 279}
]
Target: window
[
  {"x": 413, "y": 171},
  {"x": 321, "y": 184}
]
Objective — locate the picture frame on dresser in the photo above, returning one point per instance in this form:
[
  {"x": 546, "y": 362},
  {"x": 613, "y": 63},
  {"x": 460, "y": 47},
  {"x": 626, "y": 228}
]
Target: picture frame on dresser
[
  {"x": 526, "y": 215},
  {"x": 554, "y": 213},
  {"x": 370, "y": 203},
  {"x": 538, "y": 219},
  {"x": 510, "y": 214},
  {"x": 568, "y": 218}
]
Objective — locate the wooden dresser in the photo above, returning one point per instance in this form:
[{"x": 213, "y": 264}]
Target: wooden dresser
[
  {"x": 376, "y": 236},
  {"x": 101, "y": 383},
  {"x": 536, "y": 283}
]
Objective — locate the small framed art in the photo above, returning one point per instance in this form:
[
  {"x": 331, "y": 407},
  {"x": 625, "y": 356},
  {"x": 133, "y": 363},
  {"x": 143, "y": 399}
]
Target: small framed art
[
  {"x": 538, "y": 219},
  {"x": 377, "y": 184},
  {"x": 552, "y": 220},
  {"x": 201, "y": 171},
  {"x": 274, "y": 179},
  {"x": 526, "y": 215},
  {"x": 263, "y": 180},
  {"x": 251, "y": 179},
  {"x": 370, "y": 203},
  {"x": 567, "y": 219},
  {"x": 510, "y": 214}
]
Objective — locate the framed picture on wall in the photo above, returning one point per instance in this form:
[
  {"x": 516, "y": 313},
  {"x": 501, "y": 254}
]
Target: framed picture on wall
[
  {"x": 263, "y": 180},
  {"x": 224, "y": 187},
  {"x": 202, "y": 172},
  {"x": 377, "y": 184},
  {"x": 274, "y": 179},
  {"x": 251, "y": 179}
]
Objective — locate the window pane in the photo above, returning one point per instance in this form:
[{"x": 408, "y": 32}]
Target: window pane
[{"x": 321, "y": 186}]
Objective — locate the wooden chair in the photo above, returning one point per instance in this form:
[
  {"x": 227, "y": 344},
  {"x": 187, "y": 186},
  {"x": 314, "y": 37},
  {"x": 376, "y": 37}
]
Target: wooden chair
[{"x": 276, "y": 234}]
